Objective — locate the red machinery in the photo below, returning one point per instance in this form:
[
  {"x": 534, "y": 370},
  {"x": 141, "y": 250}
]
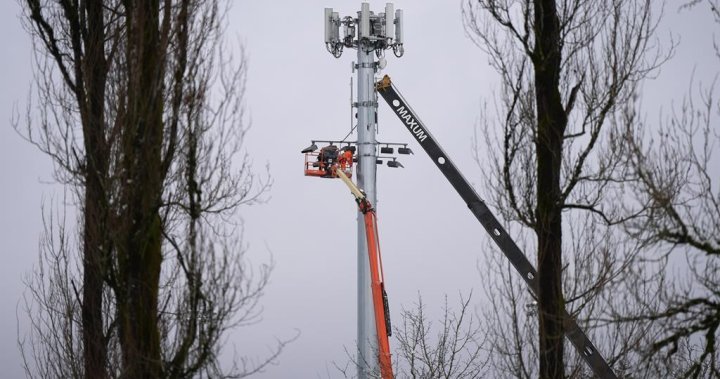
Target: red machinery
[
  {"x": 324, "y": 162},
  {"x": 331, "y": 162},
  {"x": 377, "y": 279}
]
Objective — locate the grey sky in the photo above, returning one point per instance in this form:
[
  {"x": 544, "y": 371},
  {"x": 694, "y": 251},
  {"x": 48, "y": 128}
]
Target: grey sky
[{"x": 296, "y": 92}]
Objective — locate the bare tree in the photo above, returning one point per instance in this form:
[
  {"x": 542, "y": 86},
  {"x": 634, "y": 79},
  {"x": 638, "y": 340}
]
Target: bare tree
[
  {"x": 672, "y": 295},
  {"x": 451, "y": 347},
  {"x": 676, "y": 171},
  {"x": 455, "y": 349},
  {"x": 142, "y": 114},
  {"x": 566, "y": 69}
]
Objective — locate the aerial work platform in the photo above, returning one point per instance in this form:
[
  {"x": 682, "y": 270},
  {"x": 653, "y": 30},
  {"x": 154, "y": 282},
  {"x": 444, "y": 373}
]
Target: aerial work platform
[{"x": 326, "y": 161}]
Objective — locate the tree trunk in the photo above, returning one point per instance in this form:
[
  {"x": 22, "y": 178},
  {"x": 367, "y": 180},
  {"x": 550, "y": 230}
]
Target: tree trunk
[
  {"x": 95, "y": 211},
  {"x": 551, "y": 122},
  {"x": 140, "y": 254}
]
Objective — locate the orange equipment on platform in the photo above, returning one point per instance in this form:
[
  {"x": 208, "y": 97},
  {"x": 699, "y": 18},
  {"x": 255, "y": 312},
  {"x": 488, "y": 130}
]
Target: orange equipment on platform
[{"x": 327, "y": 160}]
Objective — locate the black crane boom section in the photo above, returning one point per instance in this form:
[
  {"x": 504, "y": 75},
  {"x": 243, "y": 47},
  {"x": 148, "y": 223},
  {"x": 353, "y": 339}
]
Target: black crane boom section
[{"x": 577, "y": 337}]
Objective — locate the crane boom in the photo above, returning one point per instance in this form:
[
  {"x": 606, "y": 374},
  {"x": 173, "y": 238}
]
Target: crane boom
[
  {"x": 377, "y": 279},
  {"x": 577, "y": 337}
]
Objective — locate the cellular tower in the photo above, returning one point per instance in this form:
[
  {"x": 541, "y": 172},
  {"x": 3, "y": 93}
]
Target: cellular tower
[{"x": 371, "y": 35}]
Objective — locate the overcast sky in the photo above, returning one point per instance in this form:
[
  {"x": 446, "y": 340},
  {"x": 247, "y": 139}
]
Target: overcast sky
[{"x": 296, "y": 92}]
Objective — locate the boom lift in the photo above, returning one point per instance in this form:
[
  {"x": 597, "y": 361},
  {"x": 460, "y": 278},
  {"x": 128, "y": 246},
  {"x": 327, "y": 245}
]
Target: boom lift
[
  {"x": 325, "y": 162},
  {"x": 580, "y": 341},
  {"x": 341, "y": 169},
  {"x": 377, "y": 278}
]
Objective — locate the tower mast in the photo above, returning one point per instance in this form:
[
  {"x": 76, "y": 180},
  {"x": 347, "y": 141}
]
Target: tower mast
[{"x": 371, "y": 35}]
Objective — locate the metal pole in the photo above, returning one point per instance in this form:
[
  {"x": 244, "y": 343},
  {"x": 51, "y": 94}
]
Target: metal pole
[
  {"x": 366, "y": 175},
  {"x": 371, "y": 35}
]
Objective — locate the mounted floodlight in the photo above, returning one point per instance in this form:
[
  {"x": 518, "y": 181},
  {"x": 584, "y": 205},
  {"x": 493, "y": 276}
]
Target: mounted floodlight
[
  {"x": 309, "y": 149},
  {"x": 404, "y": 150},
  {"x": 395, "y": 164},
  {"x": 386, "y": 150}
]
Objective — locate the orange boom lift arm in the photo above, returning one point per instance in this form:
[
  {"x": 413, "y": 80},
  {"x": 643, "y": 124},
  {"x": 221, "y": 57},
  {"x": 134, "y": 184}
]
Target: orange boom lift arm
[{"x": 377, "y": 284}]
